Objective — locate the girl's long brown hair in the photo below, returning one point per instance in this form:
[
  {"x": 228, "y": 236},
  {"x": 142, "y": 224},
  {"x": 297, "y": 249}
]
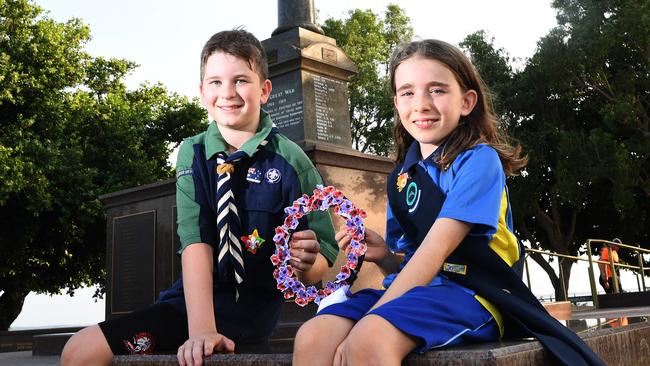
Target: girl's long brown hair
[{"x": 480, "y": 126}]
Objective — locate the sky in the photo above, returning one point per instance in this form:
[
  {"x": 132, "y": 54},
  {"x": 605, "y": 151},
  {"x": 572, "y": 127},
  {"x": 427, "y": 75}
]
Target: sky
[{"x": 165, "y": 39}]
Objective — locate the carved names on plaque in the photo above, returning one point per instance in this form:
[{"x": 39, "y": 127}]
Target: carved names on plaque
[
  {"x": 286, "y": 107},
  {"x": 326, "y": 95}
]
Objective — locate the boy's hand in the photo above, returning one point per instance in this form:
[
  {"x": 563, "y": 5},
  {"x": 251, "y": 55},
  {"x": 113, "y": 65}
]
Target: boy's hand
[
  {"x": 191, "y": 352},
  {"x": 377, "y": 250},
  {"x": 304, "y": 250}
]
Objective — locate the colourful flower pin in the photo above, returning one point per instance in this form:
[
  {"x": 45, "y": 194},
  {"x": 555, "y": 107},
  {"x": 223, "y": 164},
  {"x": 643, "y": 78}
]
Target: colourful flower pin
[
  {"x": 401, "y": 181},
  {"x": 253, "y": 241}
]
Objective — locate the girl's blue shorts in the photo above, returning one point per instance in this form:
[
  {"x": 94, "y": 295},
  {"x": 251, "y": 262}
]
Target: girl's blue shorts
[{"x": 439, "y": 315}]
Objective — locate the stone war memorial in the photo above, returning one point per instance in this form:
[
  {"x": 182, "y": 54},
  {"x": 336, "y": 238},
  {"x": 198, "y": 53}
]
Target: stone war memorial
[{"x": 309, "y": 104}]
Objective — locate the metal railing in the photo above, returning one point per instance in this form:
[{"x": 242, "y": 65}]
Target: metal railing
[{"x": 640, "y": 270}]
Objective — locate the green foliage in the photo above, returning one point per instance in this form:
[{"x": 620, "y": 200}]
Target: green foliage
[
  {"x": 494, "y": 65},
  {"x": 580, "y": 108},
  {"x": 70, "y": 131},
  {"x": 368, "y": 40}
]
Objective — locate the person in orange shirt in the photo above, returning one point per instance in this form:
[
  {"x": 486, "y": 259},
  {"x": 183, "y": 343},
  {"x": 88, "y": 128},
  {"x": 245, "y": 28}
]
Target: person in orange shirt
[{"x": 606, "y": 280}]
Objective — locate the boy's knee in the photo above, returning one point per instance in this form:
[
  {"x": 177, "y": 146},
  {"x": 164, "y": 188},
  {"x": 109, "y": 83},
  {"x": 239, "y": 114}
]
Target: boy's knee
[
  {"x": 86, "y": 347},
  {"x": 72, "y": 352}
]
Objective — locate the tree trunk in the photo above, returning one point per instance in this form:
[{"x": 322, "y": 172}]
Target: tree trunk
[
  {"x": 565, "y": 265},
  {"x": 11, "y": 304},
  {"x": 560, "y": 243}
]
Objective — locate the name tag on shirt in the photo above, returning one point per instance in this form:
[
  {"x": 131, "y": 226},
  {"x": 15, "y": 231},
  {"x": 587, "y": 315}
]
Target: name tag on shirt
[{"x": 455, "y": 268}]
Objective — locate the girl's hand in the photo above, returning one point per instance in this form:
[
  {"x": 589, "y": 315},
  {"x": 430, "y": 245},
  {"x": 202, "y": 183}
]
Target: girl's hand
[
  {"x": 377, "y": 251},
  {"x": 191, "y": 352}
]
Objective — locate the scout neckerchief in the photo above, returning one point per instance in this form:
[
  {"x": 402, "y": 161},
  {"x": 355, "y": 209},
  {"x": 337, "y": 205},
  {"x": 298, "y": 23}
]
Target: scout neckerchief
[{"x": 230, "y": 259}]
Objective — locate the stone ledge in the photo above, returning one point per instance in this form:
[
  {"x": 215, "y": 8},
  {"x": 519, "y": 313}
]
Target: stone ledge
[{"x": 621, "y": 346}]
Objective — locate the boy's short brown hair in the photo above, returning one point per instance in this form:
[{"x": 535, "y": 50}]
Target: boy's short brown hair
[{"x": 241, "y": 44}]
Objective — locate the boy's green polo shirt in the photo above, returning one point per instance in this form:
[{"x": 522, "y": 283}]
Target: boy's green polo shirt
[{"x": 264, "y": 184}]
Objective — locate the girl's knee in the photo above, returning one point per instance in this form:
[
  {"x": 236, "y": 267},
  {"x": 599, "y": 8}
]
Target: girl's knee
[
  {"x": 361, "y": 346},
  {"x": 309, "y": 335},
  {"x": 374, "y": 341}
]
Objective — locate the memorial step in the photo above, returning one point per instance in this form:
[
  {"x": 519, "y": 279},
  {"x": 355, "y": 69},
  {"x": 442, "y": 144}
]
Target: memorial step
[{"x": 617, "y": 346}]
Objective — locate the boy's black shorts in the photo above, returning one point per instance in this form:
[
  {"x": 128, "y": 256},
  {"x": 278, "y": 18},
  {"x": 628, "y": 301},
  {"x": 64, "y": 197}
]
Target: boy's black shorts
[
  {"x": 161, "y": 329},
  {"x": 158, "y": 328}
]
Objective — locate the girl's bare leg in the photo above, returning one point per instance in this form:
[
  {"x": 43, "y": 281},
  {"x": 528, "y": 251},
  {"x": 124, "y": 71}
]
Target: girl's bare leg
[{"x": 318, "y": 339}]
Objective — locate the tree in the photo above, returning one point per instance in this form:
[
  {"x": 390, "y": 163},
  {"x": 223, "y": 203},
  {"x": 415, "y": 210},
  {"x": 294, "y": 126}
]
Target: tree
[
  {"x": 368, "y": 40},
  {"x": 580, "y": 109},
  {"x": 70, "y": 131}
]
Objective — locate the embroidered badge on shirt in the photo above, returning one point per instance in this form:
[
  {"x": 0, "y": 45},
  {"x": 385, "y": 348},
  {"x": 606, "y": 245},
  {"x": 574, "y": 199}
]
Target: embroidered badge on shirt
[
  {"x": 401, "y": 181},
  {"x": 143, "y": 344},
  {"x": 254, "y": 175},
  {"x": 454, "y": 268},
  {"x": 183, "y": 172},
  {"x": 273, "y": 175},
  {"x": 412, "y": 197},
  {"x": 253, "y": 241}
]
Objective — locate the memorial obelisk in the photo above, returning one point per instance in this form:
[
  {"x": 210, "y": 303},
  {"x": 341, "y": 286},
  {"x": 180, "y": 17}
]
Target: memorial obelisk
[{"x": 310, "y": 74}]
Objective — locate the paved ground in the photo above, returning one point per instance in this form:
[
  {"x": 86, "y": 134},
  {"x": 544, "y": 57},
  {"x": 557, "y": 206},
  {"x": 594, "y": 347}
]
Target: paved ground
[{"x": 25, "y": 359}]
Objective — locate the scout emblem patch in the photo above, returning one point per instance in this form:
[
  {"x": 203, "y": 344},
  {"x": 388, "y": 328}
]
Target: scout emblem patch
[
  {"x": 273, "y": 175},
  {"x": 401, "y": 181},
  {"x": 254, "y": 175},
  {"x": 253, "y": 241}
]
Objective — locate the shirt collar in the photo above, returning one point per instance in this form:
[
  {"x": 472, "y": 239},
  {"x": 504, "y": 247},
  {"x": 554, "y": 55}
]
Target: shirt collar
[
  {"x": 413, "y": 155},
  {"x": 215, "y": 143}
]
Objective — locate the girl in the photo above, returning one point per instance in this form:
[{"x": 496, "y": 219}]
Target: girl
[{"x": 448, "y": 212}]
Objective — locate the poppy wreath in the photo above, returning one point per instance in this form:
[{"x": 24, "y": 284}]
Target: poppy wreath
[{"x": 322, "y": 199}]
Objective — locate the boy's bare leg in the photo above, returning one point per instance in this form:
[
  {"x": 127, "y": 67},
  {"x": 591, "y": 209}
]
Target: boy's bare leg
[
  {"x": 318, "y": 339},
  {"x": 87, "y": 347},
  {"x": 375, "y": 341}
]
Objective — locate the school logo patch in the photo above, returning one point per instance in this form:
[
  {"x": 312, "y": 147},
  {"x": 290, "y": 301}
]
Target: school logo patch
[
  {"x": 143, "y": 343},
  {"x": 413, "y": 194},
  {"x": 273, "y": 176}
]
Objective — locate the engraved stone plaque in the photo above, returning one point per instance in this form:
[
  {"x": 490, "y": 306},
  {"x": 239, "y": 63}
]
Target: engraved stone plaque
[
  {"x": 309, "y": 99},
  {"x": 134, "y": 244},
  {"x": 330, "y": 110},
  {"x": 285, "y": 105}
]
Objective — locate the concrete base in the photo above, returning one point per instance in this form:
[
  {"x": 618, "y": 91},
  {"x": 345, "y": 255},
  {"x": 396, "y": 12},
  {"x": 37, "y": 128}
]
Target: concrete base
[{"x": 622, "y": 346}]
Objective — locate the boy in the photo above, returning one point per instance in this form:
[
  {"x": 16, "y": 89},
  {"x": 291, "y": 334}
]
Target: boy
[{"x": 233, "y": 182}]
